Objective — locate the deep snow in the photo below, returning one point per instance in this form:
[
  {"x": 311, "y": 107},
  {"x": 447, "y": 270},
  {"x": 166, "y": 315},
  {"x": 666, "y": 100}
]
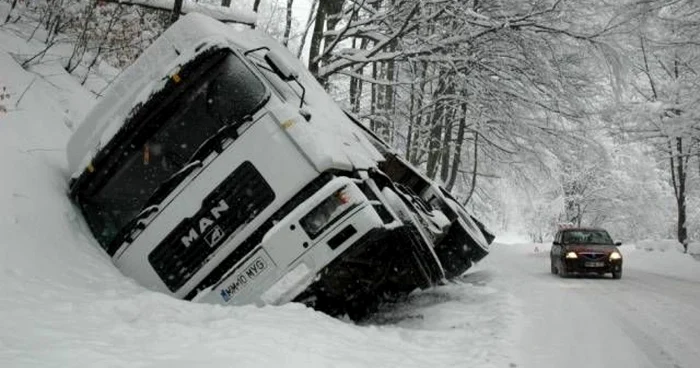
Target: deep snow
[{"x": 63, "y": 304}]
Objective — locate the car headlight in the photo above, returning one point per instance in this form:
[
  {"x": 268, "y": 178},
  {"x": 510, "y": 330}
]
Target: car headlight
[
  {"x": 332, "y": 208},
  {"x": 615, "y": 255},
  {"x": 571, "y": 255}
]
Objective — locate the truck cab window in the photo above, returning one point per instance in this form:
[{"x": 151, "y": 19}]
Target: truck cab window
[{"x": 227, "y": 94}]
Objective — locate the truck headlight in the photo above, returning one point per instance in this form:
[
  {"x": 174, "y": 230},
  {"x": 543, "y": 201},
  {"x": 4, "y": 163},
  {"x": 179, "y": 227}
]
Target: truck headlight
[
  {"x": 615, "y": 255},
  {"x": 331, "y": 209},
  {"x": 571, "y": 255}
]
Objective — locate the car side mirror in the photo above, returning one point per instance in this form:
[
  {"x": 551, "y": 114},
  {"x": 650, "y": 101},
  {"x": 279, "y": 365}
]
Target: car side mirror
[
  {"x": 556, "y": 243},
  {"x": 618, "y": 243}
]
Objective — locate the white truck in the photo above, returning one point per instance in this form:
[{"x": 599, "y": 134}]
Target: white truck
[{"x": 216, "y": 169}]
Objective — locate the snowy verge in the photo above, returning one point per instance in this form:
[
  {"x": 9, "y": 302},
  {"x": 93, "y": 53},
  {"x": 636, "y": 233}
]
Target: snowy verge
[{"x": 663, "y": 257}]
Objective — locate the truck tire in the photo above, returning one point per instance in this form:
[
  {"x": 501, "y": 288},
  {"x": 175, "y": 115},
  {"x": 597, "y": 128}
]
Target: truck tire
[{"x": 406, "y": 215}]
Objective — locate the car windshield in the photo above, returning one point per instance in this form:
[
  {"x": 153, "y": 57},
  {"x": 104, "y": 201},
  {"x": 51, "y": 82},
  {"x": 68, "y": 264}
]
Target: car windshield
[
  {"x": 600, "y": 237},
  {"x": 227, "y": 95}
]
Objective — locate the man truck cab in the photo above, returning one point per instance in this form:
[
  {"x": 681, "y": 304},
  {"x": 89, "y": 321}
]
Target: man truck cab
[{"x": 216, "y": 169}]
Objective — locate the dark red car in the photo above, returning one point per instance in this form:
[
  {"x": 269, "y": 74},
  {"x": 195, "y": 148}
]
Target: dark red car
[{"x": 584, "y": 251}]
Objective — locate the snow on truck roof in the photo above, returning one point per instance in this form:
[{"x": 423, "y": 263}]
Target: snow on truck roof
[{"x": 333, "y": 136}]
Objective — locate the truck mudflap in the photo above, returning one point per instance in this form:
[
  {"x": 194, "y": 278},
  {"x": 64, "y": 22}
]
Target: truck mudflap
[{"x": 380, "y": 267}]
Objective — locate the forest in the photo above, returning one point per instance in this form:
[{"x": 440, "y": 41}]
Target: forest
[{"x": 534, "y": 113}]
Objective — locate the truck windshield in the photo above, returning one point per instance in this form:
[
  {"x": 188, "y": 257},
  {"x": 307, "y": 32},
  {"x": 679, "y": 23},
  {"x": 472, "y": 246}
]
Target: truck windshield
[{"x": 228, "y": 93}]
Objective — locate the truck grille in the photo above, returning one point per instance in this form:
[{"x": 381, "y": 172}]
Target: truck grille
[
  {"x": 218, "y": 273},
  {"x": 234, "y": 203}
]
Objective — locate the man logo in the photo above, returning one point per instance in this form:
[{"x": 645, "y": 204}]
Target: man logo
[
  {"x": 205, "y": 222},
  {"x": 214, "y": 236}
]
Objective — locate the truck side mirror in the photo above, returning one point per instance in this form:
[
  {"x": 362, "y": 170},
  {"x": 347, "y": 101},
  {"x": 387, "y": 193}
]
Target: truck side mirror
[
  {"x": 287, "y": 72},
  {"x": 283, "y": 69}
]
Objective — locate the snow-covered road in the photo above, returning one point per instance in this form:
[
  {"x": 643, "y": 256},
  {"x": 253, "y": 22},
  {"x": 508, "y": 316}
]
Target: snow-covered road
[
  {"x": 63, "y": 304},
  {"x": 643, "y": 320}
]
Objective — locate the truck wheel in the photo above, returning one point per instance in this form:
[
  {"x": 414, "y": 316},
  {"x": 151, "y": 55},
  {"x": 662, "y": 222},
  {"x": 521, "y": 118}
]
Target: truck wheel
[{"x": 406, "y": 215}]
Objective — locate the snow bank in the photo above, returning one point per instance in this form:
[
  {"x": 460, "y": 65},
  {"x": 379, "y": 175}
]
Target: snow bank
[
  {"x": 511, "y": 238},
  {"x": 664, "y": 257},
  {"x": 658, "y": 245}
]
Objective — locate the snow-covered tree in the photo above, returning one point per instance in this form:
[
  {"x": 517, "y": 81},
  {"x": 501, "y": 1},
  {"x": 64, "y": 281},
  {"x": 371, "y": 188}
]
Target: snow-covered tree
[{"x": 663, "y": 105}]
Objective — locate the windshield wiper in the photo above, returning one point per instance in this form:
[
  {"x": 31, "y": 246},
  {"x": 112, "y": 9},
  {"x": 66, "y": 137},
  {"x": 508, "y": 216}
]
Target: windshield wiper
[
  {"x": 215, "y": 143},
  {"x": 127, "y": 231},
  {"x": 151, "y": 207},
  {"x": 170, "y": 183}
]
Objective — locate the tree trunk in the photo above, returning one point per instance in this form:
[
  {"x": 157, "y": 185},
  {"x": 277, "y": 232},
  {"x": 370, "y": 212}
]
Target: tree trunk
[
  {"x": 373, "y": 100},
  {"x": 456, "y": 160},
  {"x": 314, "y": 6},
  {"x": 446, "y": 148},
  {"x": 177, "y": 9},
  {"x": 434, "y": 143},
  {"x": 475, "y": 166},
  {"x": 316, "y": 39},
  {"x": 288, "y": 23},
  {"x": 9, "y": 14},
  {"x": 418, "y": 118},
  {"x": 355, "y": 93},
  {"x": 356, "y": 84},
  {"x": 678, "y": 177},
  {"x": 409, "y": 134},
  {"x": 390, "y": 96},
  {"x": 334, "y": 9},
  {"x": 437, "y": 125},
  {"x": 327, "y": 17}
]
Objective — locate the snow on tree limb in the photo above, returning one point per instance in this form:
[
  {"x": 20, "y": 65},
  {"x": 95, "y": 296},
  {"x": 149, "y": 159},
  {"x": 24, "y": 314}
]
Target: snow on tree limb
[{"x": 236, "y": 14}]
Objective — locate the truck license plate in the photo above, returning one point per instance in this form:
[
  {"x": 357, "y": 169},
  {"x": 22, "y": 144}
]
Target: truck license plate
[{"x": 245, "y": 276}]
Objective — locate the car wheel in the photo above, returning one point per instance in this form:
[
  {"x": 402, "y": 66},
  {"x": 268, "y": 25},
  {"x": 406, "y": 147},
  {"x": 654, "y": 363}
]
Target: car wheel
[
  {"x": 552, "y": 268},
  {"x": 562, "y": 271},
  {"x": 617, "y": 275}
]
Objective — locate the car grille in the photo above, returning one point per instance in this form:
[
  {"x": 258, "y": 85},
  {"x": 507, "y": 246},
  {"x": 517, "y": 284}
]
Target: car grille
[
  {"x": 234, "y": 203},
  {"x": 591, "y": 256}
]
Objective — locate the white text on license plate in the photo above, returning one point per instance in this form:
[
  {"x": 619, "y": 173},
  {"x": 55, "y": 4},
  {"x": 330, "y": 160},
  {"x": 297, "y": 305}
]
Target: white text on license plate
[
  {"x": 594, "y": 264},
  {"x": 244, "y": 276}
]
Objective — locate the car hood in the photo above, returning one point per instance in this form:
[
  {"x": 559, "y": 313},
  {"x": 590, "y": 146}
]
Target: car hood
[{"x": 578, "y": 248}]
